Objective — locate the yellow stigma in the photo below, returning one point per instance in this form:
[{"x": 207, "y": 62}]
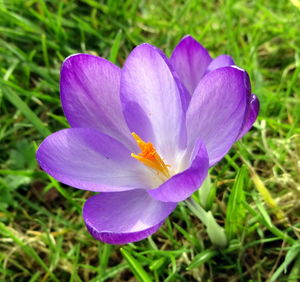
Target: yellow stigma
[{"x": 149, "y": 157}]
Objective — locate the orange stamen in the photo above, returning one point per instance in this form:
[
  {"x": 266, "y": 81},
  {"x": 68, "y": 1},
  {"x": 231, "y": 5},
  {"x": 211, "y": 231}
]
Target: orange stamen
[{"x": 149, "y": 156}]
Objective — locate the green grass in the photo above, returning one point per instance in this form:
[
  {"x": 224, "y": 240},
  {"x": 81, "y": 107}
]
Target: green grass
[{"x": 43, "y": 237}]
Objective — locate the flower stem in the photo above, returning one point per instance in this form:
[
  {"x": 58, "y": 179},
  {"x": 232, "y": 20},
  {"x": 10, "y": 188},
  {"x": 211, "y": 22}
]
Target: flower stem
[
  {"x": 215, "y": 232},
  {"x": 204, "y": 192}
]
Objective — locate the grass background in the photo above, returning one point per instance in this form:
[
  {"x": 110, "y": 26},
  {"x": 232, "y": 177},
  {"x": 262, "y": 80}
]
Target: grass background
[{"x": 255, "y": 189}]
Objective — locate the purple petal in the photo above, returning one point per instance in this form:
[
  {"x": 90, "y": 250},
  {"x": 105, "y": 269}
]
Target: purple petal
[
  {"x": 251, "y": 116},
  {"x": 90, "y": 160},
  {"x": 184, "y": 184},
  {"x": 184, "y": 94},
  {"x": 89, "y": 88},
  {"x": 190, "y": 60},
  {"x": 123, "y": 217},
  {"x": 217, "y": 110},
  {"x": 219, "y": 62},
  {"x": 152, "y": 102}
]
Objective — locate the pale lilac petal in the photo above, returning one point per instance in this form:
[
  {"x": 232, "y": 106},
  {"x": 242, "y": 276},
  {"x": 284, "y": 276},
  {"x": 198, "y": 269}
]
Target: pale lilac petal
[
  {"x": 190, "y": 60},
  {"x": 184, "y": 184},
  {"x": 219, "y": 62},
  {"x": 89, "y": 160},
  {"x": 184, "y": 94},
  {"x": 89, "y": 88},
  {"x": 251, "y": 116},
  {"x": 124, "y": 217},
  {"x": 217, "y": 110},
  {"x": 152, "y": 102}
]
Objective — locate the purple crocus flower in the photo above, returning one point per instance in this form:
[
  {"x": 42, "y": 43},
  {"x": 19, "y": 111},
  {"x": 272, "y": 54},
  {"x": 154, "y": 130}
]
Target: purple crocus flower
[{"x": 145, "y": 135}]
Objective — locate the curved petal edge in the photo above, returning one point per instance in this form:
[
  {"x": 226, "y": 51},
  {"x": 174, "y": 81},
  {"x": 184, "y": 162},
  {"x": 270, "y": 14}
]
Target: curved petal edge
[
  {"x": 184, "y": 184},
  {"x": 121, "y": 238},
  {"x": 220, "y": 62},
  {"x": 251, "y": 115},
  {"x": 89, "y": 160},
  {"x": 89, "y": 91},
  {"x": 217, "y": 110},
  {"x": 124, "y": 217},
  {"x": 151, "y": 100},
  {"x": 190, "y": 60}
]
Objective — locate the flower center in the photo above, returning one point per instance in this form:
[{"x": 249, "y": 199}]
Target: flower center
[{"x": 149, "y": 157}]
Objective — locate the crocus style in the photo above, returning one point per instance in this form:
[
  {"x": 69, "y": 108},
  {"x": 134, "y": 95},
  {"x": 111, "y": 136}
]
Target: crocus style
[{"x": 145, "y": 135}]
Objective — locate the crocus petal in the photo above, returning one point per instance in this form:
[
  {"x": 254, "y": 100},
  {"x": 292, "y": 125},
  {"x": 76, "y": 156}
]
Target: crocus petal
[
  {"x": 250, "y": 116},
  {"x": 123, "y": 217},
  {"x": 217, "y": 110},
  {"x": 219, "y": 62},
  {"x": 89, "y": 88},
  {"x": 190, "y": 60},
  {"x": 90, "y": 160},
  {"x": 184, "y": 94},
  {"x": 184, "y": 184},
  {"x": 151, "y": 101}
]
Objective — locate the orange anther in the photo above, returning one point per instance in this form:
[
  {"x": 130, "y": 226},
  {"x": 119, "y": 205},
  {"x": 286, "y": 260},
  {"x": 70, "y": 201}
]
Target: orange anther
[{"x": 149, "y": 157}]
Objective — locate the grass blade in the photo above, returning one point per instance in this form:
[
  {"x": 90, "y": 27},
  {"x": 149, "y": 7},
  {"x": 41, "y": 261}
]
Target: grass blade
[
  {"x": 235, "y": 213},
  {"x": 27, "y": 249},
  {"x": 26, "y": 111},
  {"x": 293, "y": 253},
  {"x": 201, "y": 258},
  {"x": 136, "y": 267},
  {"x": 114, "y": 51}
]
